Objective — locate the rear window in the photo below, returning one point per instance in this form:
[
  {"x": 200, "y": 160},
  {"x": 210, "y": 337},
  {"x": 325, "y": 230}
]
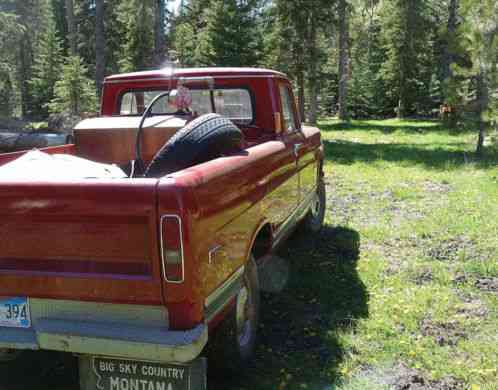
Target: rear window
[{"x": 235, "y": 104}]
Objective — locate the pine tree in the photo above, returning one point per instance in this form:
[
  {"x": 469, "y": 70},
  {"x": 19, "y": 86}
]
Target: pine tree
[
  {"x": 186, "y": 28},
  {"x": 368, "y": 92},
  {"x": 311, "y": 49},
  {"x": 71, "y": 28},
  {"x": 449, "y": 37},
  {"x": 88, "y": 14},
  {"x": 99, "y": 45},
  {"x": 137, "y": 34},
  {"x": 59, "y": 12},
  {"x": 231, "y": 36},
  {"x": 32, "y": 16},
  {"x": 343, "y": 59},
  {"x": 219, "y": 33},
  {"x": 46, "y": 69},
  {"x": 74, "y": 92},
  {"x": 478, "y": 36},
  {"x": 280, "y": 39},
  {"x": 10, "y": 33},
  {"x": 296, "y": 46},
  {"x": 159, "y": 31},
  {"x": 405, "y": 35},
  {"x": 114, "y": 36}
]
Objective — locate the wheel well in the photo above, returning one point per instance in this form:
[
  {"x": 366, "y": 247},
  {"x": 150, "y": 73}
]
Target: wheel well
[{"x": 262, "y": 242}]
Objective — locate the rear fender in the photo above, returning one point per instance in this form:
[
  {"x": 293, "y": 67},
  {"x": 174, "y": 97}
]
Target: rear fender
[{"x": 182, "y": 299}]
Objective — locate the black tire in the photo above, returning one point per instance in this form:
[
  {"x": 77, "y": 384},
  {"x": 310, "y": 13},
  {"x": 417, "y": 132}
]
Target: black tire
[
  {"x": 313, "y": 221},
  {"x": 234, "y": 342},
  {"x": 205, "y": 138}
]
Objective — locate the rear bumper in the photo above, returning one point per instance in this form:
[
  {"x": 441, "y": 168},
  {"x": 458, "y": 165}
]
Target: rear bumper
[{"x": 128, "y": 339}]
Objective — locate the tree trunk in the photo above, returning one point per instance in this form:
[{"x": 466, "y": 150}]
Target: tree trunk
[
  {"x": 450, "y": 31},
  {"x": 159, "y": 15},
  {"x": 99, "y": 45},
  {"x": 71, "y": 28},
  {"x": 313, "y": 87},
  {"x": 24, "y": 57},
  {"x": 343, "y": 60},
  {"x": 25, "y": 62},
  {"x": 483, "y": 99},
  {"x": 301, "y": 96},
  {"x": 400, "y": 114},
  {"x": 401, "y": 110}
]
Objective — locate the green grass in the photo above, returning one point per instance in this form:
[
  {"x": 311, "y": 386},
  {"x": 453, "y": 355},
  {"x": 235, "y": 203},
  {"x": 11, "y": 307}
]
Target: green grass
[{"x": 394, "y": 282}]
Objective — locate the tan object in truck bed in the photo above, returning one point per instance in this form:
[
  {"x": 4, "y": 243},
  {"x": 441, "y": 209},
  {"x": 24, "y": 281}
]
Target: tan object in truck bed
[{"x": 112, "y": 139}]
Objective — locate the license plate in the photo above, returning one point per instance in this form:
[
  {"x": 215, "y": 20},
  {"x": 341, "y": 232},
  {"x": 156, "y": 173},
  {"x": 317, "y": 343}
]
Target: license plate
[
  {"x": 14, "y": 312},
  {"x": 118, "y": 374}
]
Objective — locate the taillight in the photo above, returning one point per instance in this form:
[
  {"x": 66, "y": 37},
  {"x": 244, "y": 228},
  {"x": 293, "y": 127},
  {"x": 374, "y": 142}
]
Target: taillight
[{"x": 172, "y": 248}]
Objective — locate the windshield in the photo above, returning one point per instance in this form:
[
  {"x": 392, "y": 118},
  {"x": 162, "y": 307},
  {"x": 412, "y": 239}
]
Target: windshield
[{"x": 235, "y": 104}]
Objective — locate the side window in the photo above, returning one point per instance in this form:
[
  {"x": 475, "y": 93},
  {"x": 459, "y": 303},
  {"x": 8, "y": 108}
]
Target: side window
[{"x": 288, "y": 109}]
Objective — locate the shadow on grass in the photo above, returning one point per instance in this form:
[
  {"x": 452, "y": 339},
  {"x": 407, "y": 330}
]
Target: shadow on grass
[
  {"x": 347, "y": 152},
  {"x": 298, "y": 338},
  {"x": 386, "y": 127}
]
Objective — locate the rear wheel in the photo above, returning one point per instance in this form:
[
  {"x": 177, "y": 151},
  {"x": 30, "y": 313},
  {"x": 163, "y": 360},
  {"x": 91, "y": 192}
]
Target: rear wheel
[{"x": 233, "y": 344}]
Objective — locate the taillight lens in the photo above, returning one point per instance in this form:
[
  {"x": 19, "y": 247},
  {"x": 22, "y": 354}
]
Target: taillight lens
[{"x": 172, "y": 248}]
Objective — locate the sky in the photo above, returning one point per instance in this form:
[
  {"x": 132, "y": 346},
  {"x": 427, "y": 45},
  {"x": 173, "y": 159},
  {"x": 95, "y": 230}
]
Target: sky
[{"x": 173, "y": 5}]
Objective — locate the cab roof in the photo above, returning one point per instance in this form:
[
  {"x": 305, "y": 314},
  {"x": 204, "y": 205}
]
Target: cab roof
[{"x": 167, "y": 73}]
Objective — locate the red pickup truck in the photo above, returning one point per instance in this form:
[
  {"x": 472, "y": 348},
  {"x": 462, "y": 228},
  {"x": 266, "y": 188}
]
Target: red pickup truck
[{"x": 136, "y": 274}]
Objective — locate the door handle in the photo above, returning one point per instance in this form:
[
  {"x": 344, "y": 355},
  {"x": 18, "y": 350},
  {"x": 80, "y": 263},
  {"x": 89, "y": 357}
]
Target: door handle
[{"x": 297, "y": 147}]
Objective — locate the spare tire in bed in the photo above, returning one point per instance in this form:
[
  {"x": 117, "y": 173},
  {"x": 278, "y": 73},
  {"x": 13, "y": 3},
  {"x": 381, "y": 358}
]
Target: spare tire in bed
[{"x": 203, "y": 139}]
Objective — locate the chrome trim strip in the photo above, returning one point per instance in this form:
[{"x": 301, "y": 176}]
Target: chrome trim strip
[
  {"x": 219, "y": 298},
  {"x": 163, "y": 260},
  {"x": 212, "y": 251},
  {"x": 196, "y": 79},
  {"x": 289, "y": 223},
  {"x": 256, "y": 76}
]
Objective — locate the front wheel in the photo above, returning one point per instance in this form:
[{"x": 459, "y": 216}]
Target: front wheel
[
  {"x": 233, "y": 344},
  {"x": 313, "y": 221}
]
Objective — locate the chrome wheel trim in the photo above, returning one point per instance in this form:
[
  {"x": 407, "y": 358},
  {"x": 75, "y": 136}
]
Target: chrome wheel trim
[
  {"x": 244, "y": 319},
  {"x": 316, "y": 206}
]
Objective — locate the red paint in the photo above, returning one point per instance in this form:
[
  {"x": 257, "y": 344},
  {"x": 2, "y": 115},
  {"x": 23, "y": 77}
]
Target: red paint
[{"x": 99, "y": 240}]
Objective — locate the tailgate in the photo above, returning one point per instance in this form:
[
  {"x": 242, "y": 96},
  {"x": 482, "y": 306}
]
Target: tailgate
[{"x": 93, "y": 240}]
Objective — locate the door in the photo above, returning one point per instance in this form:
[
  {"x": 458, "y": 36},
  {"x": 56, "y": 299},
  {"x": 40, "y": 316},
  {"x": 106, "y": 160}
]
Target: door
[
  {"x": 284, "y": 199},
  {"x": 304, "y": 146},
  {"x": 293, "y": 139}
]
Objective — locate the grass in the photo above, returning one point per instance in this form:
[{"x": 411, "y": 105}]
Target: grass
[{"x": 400, "y": 287}]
